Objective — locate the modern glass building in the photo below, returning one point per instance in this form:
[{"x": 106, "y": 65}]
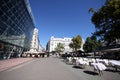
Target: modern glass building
[{"x": 16, "y": 27}]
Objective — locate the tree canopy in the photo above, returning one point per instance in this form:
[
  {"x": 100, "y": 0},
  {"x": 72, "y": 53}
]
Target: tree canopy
[
  {"x": 76, "y": 43},
  {"x": 107, "y": 21},
  {"x": 91, "y": 44},
  {"x": 60, "y": 47}
]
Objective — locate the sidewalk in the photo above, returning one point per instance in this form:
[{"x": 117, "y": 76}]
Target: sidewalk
[
  {"x": 6, "y": 64},
  {"x": 53, "y": 68}
]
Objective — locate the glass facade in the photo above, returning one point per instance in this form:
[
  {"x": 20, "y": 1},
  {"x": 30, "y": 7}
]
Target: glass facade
[{"x": 16, "y": 27}]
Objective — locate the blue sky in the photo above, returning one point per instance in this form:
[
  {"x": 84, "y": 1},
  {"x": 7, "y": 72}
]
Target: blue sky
[{"x": 63, "y": 18}]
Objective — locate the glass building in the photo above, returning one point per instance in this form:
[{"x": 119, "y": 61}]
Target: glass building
[{"x": 16, "y": 28}]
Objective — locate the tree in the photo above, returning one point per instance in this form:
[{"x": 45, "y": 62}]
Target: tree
[
  {"x": 60, "y": 48},
  {"x": 76, "y": 43},
  {"x": 107, "y": 21},
  {"x": 91, "y": 44}
]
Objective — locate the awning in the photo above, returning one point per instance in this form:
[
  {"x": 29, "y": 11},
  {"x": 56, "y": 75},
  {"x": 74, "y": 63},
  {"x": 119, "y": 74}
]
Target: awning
[{"x": 111, "y": 50}]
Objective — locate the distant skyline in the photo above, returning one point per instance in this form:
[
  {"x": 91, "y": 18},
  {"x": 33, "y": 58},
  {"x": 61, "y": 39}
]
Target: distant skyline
[{"x": 63, "y": 18}]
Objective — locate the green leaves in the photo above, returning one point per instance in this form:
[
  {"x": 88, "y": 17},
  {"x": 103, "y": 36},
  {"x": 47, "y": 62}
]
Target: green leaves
[
  {"x": 91, "y": 44},
  {"x": 107, "y": 21},
  {"x": 76, "y": 43},
  {"x": 60, "y": 47}
]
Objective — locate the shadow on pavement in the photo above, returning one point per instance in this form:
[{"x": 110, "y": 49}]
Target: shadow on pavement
[
  {"x": 78, "y": 67},
  {"x": 113, "y": 70},
  {"x": 90, "y": 72},
  {"x": 110, "y": 70}
]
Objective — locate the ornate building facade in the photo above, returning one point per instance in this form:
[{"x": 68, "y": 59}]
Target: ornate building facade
[
  {"x": 52, "y": 44},
  {"x": 35, "y": 43}
]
